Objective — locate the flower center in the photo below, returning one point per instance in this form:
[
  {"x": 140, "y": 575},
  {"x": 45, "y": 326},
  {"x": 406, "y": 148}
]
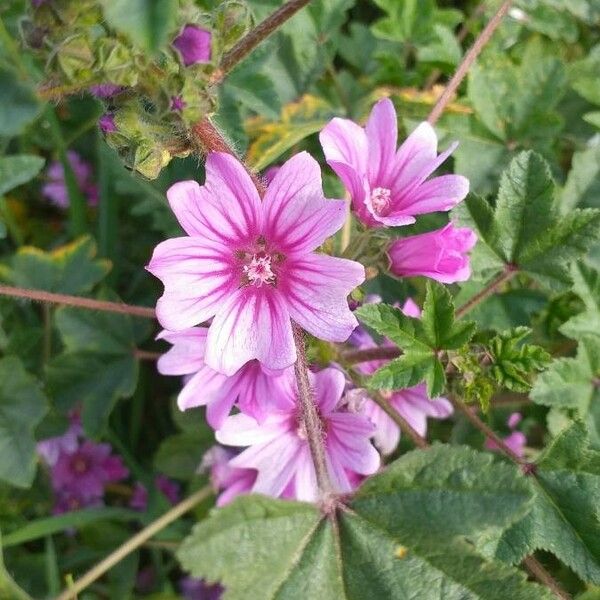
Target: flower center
[
  {"x": 380, "y": 200},
  {"x": 79, "y": 465},
  {"x": 259, "y": 271}
]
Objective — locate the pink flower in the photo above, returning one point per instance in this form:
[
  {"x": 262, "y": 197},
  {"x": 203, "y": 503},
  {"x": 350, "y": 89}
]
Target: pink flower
[
  {"x": 389, "y": 186},
  {"x": 278, "y": 448},
  {"x": 253, "y": 387},
  {"x": 105, "y": 90},
  {"x": 198, "y": 589},
  {"x": 56, "y": 188},
  {"x": 251, "y": 265},
  {"x": 230, "y": 481},
  {"x": 414, "y": 405},
  {"x": 516, "y": 440},
  {"x": 50, "y": 449},
  {"x": 168, "y": 488},
  {"x": 139, "y": 498},
  {"x": 177, "y": 103},
  {"x": 107, "y": 123},
  {"x": 439, "y": 254},
  {"x": 271, "y": 172},
  {"x": 87, "y": 470},
  {"x": 193, "y": 45}
]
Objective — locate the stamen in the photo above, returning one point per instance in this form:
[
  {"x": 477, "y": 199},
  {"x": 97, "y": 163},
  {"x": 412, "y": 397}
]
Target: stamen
[
  {"x": 380, "y": 200},
  {"x": 259, "y": 271}
]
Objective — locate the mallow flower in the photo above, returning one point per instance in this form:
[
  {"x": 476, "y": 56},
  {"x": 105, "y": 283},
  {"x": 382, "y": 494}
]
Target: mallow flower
[
  {"x": 389, "y": 186},
  {"x": 56, "y": 188},
  {"x": 412, "y": 403},
  {"x": 440, "y": 254},
  {"x": 252, "y": 265},
  {"x": 278, "y": 447},
  {"x": 193, "y": 44},
  {"x": 254, "y": 387},
  {"x": 516, "y": 440}
]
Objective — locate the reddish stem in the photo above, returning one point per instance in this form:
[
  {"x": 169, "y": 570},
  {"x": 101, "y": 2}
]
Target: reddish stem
[{"x": 353, "y": 357}]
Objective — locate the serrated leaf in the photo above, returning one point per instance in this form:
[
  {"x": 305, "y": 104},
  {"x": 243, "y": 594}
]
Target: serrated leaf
[
  {"x": 264, "y": 548},
  {"x": 98, "y": 366},
  {"x": 70, "y": 269},
  {"x": 586, "y": 284},
  {"x": 583, "y": 75},
  {"x": 564, "y": 519},
  {"x": 22, "y": 407},
  {"x": 525, "y": 232},
  {"x": 582, "y": 187},
  {"x": 18, "y": 169},
  {"x": 147, "y": 23},
  {"x": 513, "y": 364},
  {"x": 298, "y": 120},
  {"x": 408, "y": 370}
]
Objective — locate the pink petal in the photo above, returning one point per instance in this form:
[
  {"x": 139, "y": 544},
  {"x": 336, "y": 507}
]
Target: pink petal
[
  {"x": 382, "y": 135},
  {"x": 252, "y": 323},
  {"x": 226, "y": 208},
  {"x": 411, "y": 309},
  {"x": 197, "y": 274},
  {"x": 418, "y": 151},
  {"x": 187, "y": 354},
  {"x": 305, "y": 481},
  {"x": 242, "y": 430},
  {"x": 329, "y": 386},
  {"x": 348, "y": 440},
  {"x": 298, "y": 218},
  {"x": 315, "y": 288}
]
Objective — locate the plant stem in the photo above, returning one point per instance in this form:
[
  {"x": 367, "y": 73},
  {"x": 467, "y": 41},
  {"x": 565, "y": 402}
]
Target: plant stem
[
  {"x": 146, "y": 354},
  {"x": 353, "y": 357},
  {"x": 77, "y": 301},
  {"x": 479, "y": 424},
  {"x": 310, "y": 417},
  {"x": 506, "y": 275},
  {"x": 256, "y": 36},
  {"x": 418, "y": 440},
  {"x": 467, "y": 61},
  {"x": 135, "y": 542},
  {"x": 536, "y": 569}
]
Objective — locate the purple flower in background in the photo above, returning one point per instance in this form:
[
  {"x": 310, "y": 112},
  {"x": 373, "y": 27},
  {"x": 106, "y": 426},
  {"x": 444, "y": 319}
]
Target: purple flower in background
[
  {"x": 389, "y": 186},
  {"x": 440, "y": 254},
  {"x": 56, "y": 188},
  {"x": 230, "y": 481},
  {"x": 107, "y": 123},
  {"x": 253, "y": 387},
  {"x": 516, "y": 440},
  {"x": 36, "y": 3},
  {"x": 87, "y": 470},
  {"x": 177, "y": 103},
  {"x": 168, "y": 488},
  {"x": 253, "y": 265},
  {"x": 69, "y": 499},
  {"x": 139, "y": 498},
  {"x": 51, "y": 448},
  {"x": 193, "y": 45},
  {"x": 278, "y": 448},
  {"x": 197, "y": 589},
  {"x": 105, "y": 90}
]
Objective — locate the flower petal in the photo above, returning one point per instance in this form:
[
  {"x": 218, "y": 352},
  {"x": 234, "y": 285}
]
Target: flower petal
[
  {"x": 187, "y": 354},
  {"x": 382, "y": 136},
  {"x": 329, "y": 386},
  {"x": 242, "y": 430},
  {"x": 438, "y": 194},
  {"x": 197, "y": 274},
  {"x": 315, "y": 288},
  {"x": 298, "y": 218},
  {"x": 252, "y": 323}
]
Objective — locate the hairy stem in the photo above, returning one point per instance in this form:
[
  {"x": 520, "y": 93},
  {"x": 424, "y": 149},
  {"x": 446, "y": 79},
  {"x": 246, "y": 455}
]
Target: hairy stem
[
  {"x": 536, "y": 569},
  {"x": 353, "y": 357},
  {"x": 506, "y": 275},
  {"x": 418, "y": 440},
  {"x": 77, "y": 301},
  {"x": 479, "y": 424},
  {"x": 254, "y": 37},
  {"x": 467, "y": 61},
  {"x": 146, "y": 354},
  {"x": 135, "y": 542},
  {"x": 310, "y": 417}
]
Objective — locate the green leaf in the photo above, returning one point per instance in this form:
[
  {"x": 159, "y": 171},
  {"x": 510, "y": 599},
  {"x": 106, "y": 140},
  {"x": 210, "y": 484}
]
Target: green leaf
[
  {"x": 421, "y": 340},
  {"x": 582, "y": 187},
  {"x": 525, "y": 231},
  {"x": 571, "y": 382},
  {"x": 40, "y": 528},
  {"x": 398, "y": 536},
  {"x": 19, "y": 104},
  {"x": 8, "y": 588},
  {"x": 148, "y": 23},
  {"x": 586, "y": 284},
  {"x": 22, "y": 407},
  {"x": 179, "y": 455},
  {"x": 70, "y": 269},
  {"x": 584, "y": 76},
  {"x": 513, "y": 364},
  {"x": 98, "y": 366},
  {"x": 18, "y": 169},
  {"x": 564, "y": 519}
]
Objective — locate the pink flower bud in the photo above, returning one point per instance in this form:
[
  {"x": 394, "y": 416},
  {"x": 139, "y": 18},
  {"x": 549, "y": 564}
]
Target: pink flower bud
[{"x": 193, "y": 45}]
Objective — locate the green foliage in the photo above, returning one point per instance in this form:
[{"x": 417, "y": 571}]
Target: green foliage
[
  {"x": 582, "y": 187},
  {"x": 421, "y": 340},
  {"x": 19, "y": 104},
  {"x": 513, "y": 363},
  {"x": 147, "y": 22},
  {"x": 382, "y": 547},
  {"x": 18, "y": 169},
  {"x": 70, "y": 269},
  {"x": 22, "y": 407},
  {"x": 586, "y": 284},
  {"x": 8, "y": 588},
  {"x": 96, "y": 368},
  {"x": 525, "y": 231},
  {"x": 564, "y": 519}
]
